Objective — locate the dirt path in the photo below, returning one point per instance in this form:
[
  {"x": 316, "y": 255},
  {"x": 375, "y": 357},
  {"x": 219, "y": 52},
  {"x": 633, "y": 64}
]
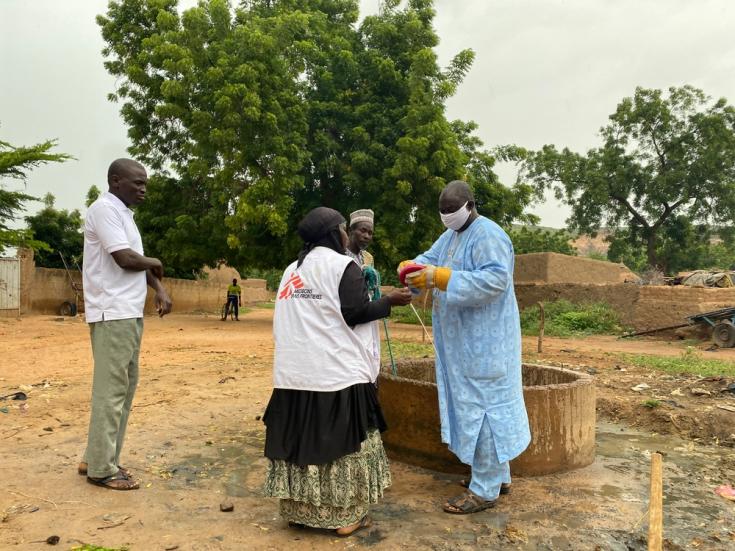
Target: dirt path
[{"x": 195, "y": 439}]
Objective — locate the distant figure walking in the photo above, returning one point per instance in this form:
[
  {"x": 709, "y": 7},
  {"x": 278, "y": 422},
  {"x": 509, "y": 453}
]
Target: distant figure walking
[{"x": 115, "y": 274}]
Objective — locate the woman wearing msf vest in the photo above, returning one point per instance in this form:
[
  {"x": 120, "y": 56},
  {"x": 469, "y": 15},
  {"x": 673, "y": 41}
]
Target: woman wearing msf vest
[{"x": 323, "y": 421}]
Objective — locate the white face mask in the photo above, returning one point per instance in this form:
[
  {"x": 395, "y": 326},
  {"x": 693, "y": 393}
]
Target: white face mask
[{"x": 455, "y": 220}]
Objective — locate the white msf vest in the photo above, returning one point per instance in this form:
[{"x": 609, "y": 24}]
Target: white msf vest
[{"x": 315, "y": 348}]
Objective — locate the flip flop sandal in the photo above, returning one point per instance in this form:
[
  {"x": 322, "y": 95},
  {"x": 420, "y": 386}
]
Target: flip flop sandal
[
  {"x": 108, "y": 482},
  {"x": 365, "y": 522},
  {"x": 82, "y": 470},
  {"x": 466, "y": 504},
  {"x": 504, "y": 488}
]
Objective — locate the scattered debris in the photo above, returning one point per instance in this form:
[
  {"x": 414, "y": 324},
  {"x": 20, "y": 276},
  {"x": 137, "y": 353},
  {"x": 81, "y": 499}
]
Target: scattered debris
[
  {"x": 51, "y": 540},
  {"x": 729, "y": 388},
  {"x": 727, "y": 408},
  {"x": 700, "y": 392},
  {"x": 15, "y": 396},
  {"x": 114, "y": 520},
  {"x": 4, "y": 410},
  {"x": 257, "y": 417},
  {"x": 226, "y": 506},
  {"x": 591, "y": 370},
  {"x": 48, "y": 429},
  {"x": 640, "y": 388},
  {"x": 726, "y": 491},
  {"x": 17, "y": 510},
  {"x": 225, "y": 379},
  {"x": 677, "y": 392}
]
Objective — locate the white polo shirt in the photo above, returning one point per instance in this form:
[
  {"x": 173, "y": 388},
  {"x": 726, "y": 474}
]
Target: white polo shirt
[{"x": 111, "y": 293}]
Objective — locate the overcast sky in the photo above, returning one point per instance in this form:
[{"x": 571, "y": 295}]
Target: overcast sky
[{"x": 546, "y": 71}]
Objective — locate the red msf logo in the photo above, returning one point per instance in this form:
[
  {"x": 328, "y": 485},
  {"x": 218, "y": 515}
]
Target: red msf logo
[{"x": 293, "y": 283}]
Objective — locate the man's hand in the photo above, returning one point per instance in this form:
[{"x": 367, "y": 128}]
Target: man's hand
[
  {"x": 400, "y": 297},
  {"x": 241, "y": 304},
  {"x": 163, "y": 302},
  {"x": 430, "y": 277}
]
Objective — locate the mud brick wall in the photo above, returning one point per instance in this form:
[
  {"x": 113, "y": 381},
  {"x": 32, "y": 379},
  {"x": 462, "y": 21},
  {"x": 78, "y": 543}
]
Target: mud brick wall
[
  {"x": 560, "y": 268},
  {"x": 639, "y": 306},
  {"x": 44, "y": 289}
]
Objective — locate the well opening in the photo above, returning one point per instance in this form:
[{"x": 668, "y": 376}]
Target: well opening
[{"x": 560, "y": 405}]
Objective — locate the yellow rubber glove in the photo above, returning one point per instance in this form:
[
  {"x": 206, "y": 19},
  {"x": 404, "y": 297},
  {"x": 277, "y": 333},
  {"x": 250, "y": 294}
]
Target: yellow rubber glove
[{"x": 429, "y": 278}]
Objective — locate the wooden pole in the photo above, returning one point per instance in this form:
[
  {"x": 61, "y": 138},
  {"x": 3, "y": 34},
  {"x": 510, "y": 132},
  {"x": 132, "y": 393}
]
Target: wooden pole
[
  {"x": 542, "y": 321},
  {"x": 655, "y": 506}
]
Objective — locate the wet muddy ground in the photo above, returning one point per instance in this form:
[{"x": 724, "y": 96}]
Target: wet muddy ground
[{"x": 195, "y": 440}]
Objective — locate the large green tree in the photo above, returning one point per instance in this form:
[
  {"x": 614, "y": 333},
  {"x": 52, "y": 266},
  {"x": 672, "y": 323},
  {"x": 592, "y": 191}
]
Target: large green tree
[
  {"x": 15, "y": 164},
  {"x": 61, "y": 230},
  {"x": 663, "y": 156},
  {"x": 250, "y": 117}
]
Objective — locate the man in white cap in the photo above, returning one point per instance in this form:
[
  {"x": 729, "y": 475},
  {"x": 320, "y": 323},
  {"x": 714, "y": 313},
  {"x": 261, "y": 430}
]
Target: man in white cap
[{"x": 361, "y": 235}]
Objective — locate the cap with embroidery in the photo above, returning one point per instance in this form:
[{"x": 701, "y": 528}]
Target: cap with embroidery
[{"x": 362, "y": 215}]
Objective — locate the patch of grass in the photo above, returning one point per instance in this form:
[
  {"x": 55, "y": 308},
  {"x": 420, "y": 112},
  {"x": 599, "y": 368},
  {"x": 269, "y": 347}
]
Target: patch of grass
[
  {"x": 406, "y": 350},
  {"x": 651, "y": 403},
  {"x": 404, "y": 314},
  {"x": 690, "y": 361},
  {"x": 566, "y": 319},
  {"x": 268, "y": 305}
]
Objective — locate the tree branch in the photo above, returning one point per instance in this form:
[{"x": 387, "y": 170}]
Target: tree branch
[{"x": 623, "y": 201}]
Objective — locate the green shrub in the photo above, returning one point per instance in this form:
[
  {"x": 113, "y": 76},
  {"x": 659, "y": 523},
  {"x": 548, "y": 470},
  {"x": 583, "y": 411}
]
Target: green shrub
[
  {"x": 690, "y": 361},
  {"x": 272, "y": 276},
  {"x": 564, "y": 318},
  {"x": 405, "y": 314}
]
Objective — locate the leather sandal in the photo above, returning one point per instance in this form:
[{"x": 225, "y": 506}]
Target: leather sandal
[
  {"x": 117, "y": 481},
  {"x": 466, "y": 504}
]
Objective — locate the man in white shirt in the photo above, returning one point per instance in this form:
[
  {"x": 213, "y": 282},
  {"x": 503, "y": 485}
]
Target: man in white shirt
[{"x": 116, "y": 275}]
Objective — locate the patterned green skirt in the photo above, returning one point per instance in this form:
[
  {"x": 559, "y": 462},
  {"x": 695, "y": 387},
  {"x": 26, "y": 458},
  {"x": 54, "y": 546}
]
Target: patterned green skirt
[{"x": 333, "y": 495}]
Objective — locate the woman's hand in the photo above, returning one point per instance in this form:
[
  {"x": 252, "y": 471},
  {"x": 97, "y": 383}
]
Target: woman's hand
[{"x": 400, "y": 297}]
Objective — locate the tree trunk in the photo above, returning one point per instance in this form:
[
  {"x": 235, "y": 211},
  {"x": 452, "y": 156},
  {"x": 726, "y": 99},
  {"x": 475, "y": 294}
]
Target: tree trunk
[{"x": 651, "y": 249}]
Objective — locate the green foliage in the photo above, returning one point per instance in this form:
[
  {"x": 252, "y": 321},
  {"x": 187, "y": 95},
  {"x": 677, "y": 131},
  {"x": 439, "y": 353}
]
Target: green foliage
[
  {"x": 564, "y": 319},
  {"x": 664, "y": 157},
  {"x": 251, "y": 117},
  {"x": 15, "y": 163},
  {"x": 92, "y": 194},
  {"x": 596, "y": 255},
  {"x": 61, "y": 230},
  {"x": 406, "y": 350},
  {"x": 405, "y": 314},
  {"x": 535, "y": 240},
  {"x": 272, "y": 276},
  {"x": 690, "y": 361},
  {"x": 651, "y": 403}
]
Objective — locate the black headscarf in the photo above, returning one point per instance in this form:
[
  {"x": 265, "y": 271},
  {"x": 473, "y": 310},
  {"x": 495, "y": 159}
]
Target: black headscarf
[{"x": 320, "y": 228}]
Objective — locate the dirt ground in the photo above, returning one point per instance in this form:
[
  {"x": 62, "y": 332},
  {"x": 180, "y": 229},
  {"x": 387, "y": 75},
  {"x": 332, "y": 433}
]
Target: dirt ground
[{"x": 195, "y": 439}]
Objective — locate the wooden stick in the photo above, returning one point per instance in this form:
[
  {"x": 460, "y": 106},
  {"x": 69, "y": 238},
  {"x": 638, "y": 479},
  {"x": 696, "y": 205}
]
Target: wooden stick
[
  {"x": 655, "y": 507},
  {"x": 34, "y": 497},
  {"x": 542, "y": 321}
]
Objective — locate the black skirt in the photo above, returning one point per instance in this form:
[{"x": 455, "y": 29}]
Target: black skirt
[{"x": 305, "y": 427}]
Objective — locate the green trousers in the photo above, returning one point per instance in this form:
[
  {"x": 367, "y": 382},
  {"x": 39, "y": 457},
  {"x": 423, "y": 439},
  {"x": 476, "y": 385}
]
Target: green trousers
[{"x": 115, "y": 347}]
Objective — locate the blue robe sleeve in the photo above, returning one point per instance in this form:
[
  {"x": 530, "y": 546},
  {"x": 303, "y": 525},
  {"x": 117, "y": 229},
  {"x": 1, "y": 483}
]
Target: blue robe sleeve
[
  {"x": 491, "y": 271},
  {"x": 433, "y": 255}
]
